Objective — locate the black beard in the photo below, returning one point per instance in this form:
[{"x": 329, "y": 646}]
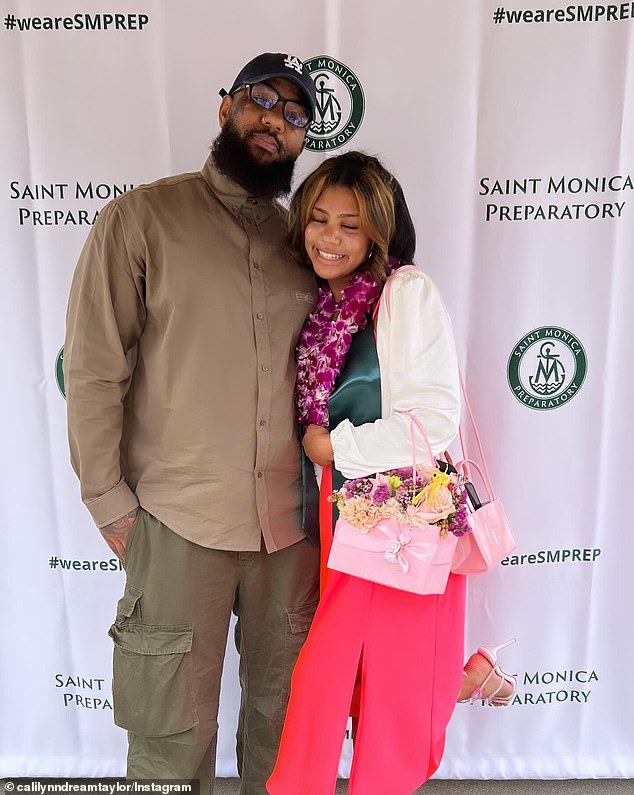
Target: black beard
[{"x": 234, "y": 160}]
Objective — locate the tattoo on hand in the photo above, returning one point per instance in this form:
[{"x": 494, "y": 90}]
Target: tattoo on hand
[{"x": 121, "y": 524}]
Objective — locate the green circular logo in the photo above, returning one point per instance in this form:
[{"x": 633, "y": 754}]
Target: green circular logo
[
  {"x": 547, "y": 368},
  {"x": 340, "y": 104},
  {"x": 59, "y": 372}
]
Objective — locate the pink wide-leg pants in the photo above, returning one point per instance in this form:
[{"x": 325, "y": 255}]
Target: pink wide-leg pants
[{"x": 411, "y": 648}]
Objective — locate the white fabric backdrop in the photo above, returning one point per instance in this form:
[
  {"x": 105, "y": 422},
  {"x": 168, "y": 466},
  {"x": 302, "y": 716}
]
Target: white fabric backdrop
[{"x": 453, "y": 101}]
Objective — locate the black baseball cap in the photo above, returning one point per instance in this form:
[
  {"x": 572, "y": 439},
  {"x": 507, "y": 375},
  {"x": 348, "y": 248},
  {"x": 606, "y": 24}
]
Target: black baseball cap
[{"x": 277, "y": 64}]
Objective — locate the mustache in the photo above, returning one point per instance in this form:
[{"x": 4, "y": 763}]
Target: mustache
[{"x": 268, "y": 134}]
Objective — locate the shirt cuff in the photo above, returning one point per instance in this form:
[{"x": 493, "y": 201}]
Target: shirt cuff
[
  {"x": 112, "y": 505},
  {"x": 343, "y": 447}
]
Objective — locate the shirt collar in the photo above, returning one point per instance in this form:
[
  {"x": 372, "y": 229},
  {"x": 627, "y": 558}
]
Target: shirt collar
[{"x": 234, "y": 197}]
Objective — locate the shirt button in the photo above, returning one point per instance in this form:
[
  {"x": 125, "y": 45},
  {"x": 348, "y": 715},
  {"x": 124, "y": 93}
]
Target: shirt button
[
  {"x": 249, "y": 220},
  {"x": 256, "y": 266},
  {"x": 260, "y": 316},
  {"x": 259, "y": 475},
  {"x": 265, "y": 369},
  {"x": 262, "y": 423}
]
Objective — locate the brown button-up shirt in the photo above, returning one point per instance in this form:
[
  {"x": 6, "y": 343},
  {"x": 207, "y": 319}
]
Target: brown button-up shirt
[{"x": 179, "y": 363}]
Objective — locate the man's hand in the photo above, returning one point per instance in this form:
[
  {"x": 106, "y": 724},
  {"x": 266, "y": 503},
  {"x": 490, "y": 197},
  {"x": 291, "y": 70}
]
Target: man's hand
[
  {"x": 116, "y": 534},
  {"x": 317, "y": 445}
]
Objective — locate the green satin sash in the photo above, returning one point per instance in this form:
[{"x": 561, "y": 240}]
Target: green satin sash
[{"x": 357, "y": 392}]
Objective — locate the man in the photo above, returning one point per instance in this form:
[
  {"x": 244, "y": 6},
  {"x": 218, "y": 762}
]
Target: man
[{"x": 179, "y": 370}]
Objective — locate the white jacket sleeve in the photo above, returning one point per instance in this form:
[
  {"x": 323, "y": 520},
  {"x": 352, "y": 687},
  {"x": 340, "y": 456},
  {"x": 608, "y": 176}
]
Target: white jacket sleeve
[{"x": 419, "y": 374}]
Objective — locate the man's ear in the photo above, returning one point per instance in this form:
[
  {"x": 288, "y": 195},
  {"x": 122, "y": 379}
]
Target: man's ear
[{"x": 223, "y": 111}]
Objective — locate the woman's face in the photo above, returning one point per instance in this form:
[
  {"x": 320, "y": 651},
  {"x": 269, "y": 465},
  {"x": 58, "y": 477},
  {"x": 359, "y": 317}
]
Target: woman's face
[{"x": 334, "y": 239}]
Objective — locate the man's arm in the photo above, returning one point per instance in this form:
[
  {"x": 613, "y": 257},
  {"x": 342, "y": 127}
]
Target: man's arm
[{"x": 106, "y": 314}]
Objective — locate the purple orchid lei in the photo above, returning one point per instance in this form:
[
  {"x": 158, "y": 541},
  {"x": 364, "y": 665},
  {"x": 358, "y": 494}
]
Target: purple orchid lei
[{"x": 325, "y": 340}]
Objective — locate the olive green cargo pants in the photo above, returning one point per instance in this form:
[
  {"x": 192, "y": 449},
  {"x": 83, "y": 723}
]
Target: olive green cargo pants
[{"x": 170, "y": 635}]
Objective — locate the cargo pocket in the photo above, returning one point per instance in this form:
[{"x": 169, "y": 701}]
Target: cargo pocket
[
  {"x": 298, "y": 621},
  {"x": 152, "y": 683},
  {"x": 300, "y": 618}
]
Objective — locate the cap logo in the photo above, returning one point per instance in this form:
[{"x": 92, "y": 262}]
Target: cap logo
[{"x": 293, "y": 62}]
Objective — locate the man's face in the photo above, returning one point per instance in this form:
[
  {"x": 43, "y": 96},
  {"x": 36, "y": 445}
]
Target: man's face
[
  {"x": 257, "y": 148},
  {"x": 266, "y": 133}
]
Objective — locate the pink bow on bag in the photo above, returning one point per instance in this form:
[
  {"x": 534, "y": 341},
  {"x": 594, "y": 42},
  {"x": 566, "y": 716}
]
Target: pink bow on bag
[{"x": 395, "y": 551}]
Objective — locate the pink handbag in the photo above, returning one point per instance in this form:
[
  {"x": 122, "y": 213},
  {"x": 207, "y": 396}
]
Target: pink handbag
[{"x": 393, "y": 553}]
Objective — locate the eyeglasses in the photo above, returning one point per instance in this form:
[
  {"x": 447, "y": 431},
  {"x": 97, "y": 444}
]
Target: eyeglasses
[{"x": 267, "y": 97}]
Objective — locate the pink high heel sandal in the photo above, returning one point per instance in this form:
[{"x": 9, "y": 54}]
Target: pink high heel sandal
[{"x": 496, "y": 698}]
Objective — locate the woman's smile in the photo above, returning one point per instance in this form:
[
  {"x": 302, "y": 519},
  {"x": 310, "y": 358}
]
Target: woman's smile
[
  {"x": 334, "y": 238},
  {"x": 327, "y": 255}
]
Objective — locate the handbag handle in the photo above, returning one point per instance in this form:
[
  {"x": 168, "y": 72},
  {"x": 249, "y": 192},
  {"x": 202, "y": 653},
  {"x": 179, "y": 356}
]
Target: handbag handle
[
  {"x": 486, "y": 477},
  {"x": 484, "y": 471},
  {"x": 463, "y": 468},
  {"x": 416, "y": 424}
]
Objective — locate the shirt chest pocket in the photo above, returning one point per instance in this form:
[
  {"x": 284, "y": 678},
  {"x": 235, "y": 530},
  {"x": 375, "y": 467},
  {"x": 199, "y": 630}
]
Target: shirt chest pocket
[{"x": 286, "y": 311}]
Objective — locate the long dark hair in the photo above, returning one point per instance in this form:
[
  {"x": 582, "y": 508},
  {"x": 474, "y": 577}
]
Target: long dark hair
[{"x": 403, "y": 244}]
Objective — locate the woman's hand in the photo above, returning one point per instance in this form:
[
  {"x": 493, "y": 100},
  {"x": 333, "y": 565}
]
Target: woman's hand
[{"x": 317, "y": 445}]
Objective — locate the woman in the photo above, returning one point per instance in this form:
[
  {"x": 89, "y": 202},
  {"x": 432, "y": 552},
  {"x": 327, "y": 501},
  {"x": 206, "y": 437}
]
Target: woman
[{"x": 349, "y": 221}]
